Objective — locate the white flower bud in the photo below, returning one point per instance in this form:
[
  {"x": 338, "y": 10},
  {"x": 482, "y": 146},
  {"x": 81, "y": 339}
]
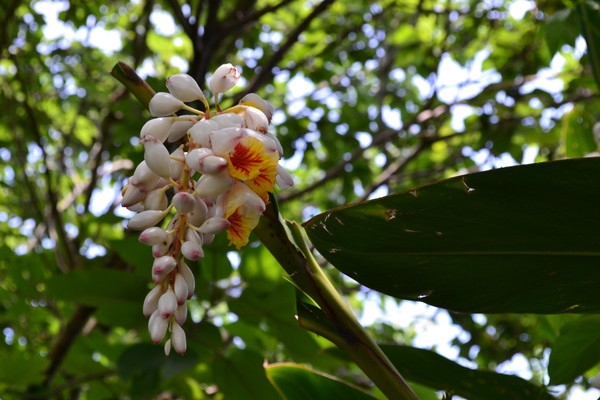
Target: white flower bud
[
  {"x": 241, "y": 195},
  {"x": 151, "y": 301},
  {"x": 224, "y": 78},
  {"x": 152, "y": 236},
  {"x": 156, "y": 156},
  {"x": 184, "y": 87},
  {"x": 256, "y": 120},
  {"x": 213, "y": 165},
  {"x": 200, "y": 132},
  {"x": 145, "y": 219},
  {"x": 177, "y": 163},
  {"x": 198, "y": 216},
  {"x": 188, "y": 275},
  {"x": 283, "y": 178},
  {"x": 181, "y": 314},
  {"x": 596, "y": 130},
  {"x": 143, "y": 178},
  {"x": 163, "y": 104},
  {"x": 137, "y": 208},
  {"x": 213, "y": 185},
  {"x": 224, "y": 140},
  {"x": 159, "y": 250},
  {"x": 168, "y": 347},
  {"x": 157, "y": 327},
  {"x": 184, "y": 202},
  {"x": 178, "y": 338},
  {"x": 215, "y": 225},
  {"x": 278, "y": 145},
  {"x": 269, "y": 143},
  {"x": 157, "y": 127},
  {"x": 193, "y": 236},
  {"x": 161, "y": 267},
  {"x": 180, "y": 128},
  {"x": 254, "y": 100},
  {"x": 228, "y": 120},
  {"x": 180, "y": 288},
  {"x": 208, "y": 238},
  {"x": 167, "y": 304},
  {"x": 192, "y": 251},
  {"x": 156, "y": 200},
  {"x": 132, "y": 196},
  {"x": 195, "y": 158}
]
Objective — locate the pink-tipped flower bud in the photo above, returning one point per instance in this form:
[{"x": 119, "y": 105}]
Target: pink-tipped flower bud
[
  {"x": 132, "y": 196},
  {"x": 215, "y": 225},
  {"x": 180, "y": 128},
  {"x": 151, "y": 301},
  {"x": 161, "y": 267},
  {"x": 180, "y": 288},
  {"x": 178, "y": 338},
  {"x": 228, "y": 120},
  {"x": 193, "y": 236},
  {"x": 195, "y": 158},
  {"x": 283, "y": 178},
  {"x": 156, "y": 156},
  {"x": 163, "y": 104},
  {"x": 184, "y": 202},
  {"x": 177, "y": 161},
  {"x": 256, "y": 120},
  {"x": 278, "y": 145},
  {"x": 213, "y": 165},
  {"x": 254, "y": 100},
  {"x": 157, "y": 127},
  {"x": 145, "y": 219},
  {"x": 213, "y": 185},
  {"x": 208, "y": 238},
  {"x": 157, "y": 327},
  {"x": 136, "y": 208},
  {"x": 184, "y": 87},
  {"x": 143, "y": 177},
  {"x": 152, "y": 236},
  {"x": 200, "y": 132},
  {"x": 198, "y": 216},
  {"x": 188, "y": 275},
  {"x": 167, "y": 304},
  {"x": 224, "y": 78},
  {"x": 224, "y": 140},
  {"x": 181, "y": 314},
  {"x": 192, "y": 251},
  {"x": 156, "y": 200}
]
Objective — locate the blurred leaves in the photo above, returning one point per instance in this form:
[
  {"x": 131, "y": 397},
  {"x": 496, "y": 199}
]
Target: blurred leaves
[{"x": 365, "y": 105}]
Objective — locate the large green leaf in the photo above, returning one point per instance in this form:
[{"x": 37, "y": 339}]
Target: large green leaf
[
  {"x": 417, "y": 365},
  {"x": 520, "y": 239},
  {"x": 576, "y": 350},
  {"x": 297, "y": 382}
]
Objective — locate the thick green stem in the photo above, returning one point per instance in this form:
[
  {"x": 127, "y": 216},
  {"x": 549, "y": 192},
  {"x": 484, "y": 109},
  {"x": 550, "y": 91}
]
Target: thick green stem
[{"x": 287, "y": 244}]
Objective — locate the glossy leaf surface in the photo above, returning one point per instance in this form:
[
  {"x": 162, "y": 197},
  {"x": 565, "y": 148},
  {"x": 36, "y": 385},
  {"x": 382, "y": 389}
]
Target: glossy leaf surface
[
  {"x": 519, "y": 239},
  {"x": 297, "y": 382}
]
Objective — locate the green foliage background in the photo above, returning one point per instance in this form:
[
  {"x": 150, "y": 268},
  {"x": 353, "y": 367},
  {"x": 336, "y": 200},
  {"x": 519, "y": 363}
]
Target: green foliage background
[{"x": 72, "y": 279}]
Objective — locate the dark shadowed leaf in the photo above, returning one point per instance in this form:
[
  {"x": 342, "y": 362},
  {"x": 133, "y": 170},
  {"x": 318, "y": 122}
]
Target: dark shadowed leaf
[
  {"x": 97, "y": 286},
  {"x": 518, "y": 239},
  {"x": 297, "y": 382},
  {"x": 241, "y": 375},
  {"x": 416, "y": 365},
  {"x": 576, "y": 350}
]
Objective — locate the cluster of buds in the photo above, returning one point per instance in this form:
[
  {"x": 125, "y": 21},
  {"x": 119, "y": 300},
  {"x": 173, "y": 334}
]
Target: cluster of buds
[{"x": 219, "y": 178}]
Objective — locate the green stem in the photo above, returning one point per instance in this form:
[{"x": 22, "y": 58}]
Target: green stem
[{"x": 288, "y": 246}]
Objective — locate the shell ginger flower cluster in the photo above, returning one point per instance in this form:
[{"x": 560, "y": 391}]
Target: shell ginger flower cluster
[{"x": 218, "y": 179}]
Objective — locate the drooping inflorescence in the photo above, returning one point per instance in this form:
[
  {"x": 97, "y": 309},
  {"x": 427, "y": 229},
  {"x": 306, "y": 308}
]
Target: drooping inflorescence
[{"x": 220, "y": 175}]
